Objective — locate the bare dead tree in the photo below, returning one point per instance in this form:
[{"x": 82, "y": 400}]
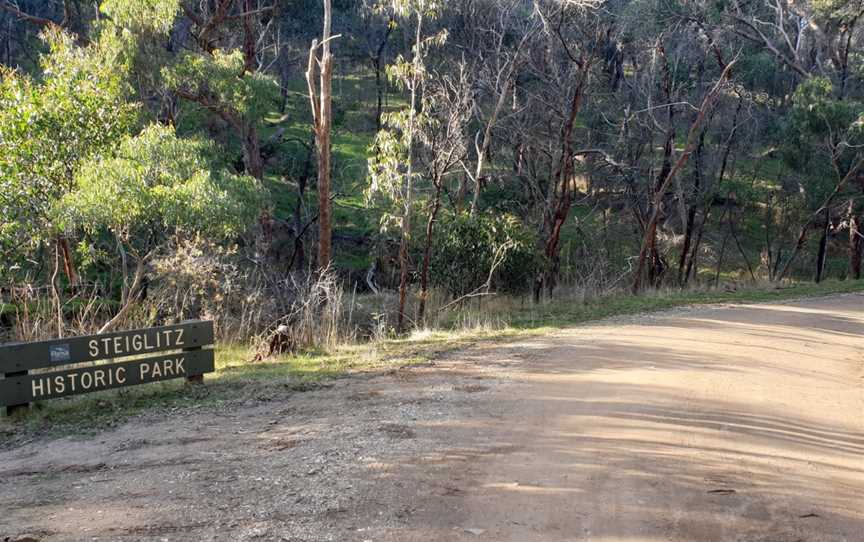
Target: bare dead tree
[
  {"x": 448, "y": 110},
  {"x": 497, "y": 67},
  {"x": 322, "y": 118}
]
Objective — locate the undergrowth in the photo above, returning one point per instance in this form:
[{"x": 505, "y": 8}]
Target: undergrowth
[{"x": 238, "y": 380}]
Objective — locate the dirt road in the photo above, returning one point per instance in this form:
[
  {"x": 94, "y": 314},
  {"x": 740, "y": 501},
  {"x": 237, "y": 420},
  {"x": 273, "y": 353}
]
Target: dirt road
[{"x": 741, "y": 424}]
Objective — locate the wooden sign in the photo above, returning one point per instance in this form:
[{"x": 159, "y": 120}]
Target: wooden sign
[{"x": 56, "y": 362}]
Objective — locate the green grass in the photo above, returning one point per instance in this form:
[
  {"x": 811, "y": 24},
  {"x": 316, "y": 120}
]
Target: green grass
[
  {"x": 557, "y": 315},
  {"x": 238, "y": 380}
]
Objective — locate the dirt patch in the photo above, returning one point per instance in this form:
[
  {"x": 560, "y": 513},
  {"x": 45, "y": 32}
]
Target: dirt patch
[
  {"x": 471, "y": 388},
  {"x": 397, "y": 431},
  {"x": 321, "y": 465},
  {"x": 365, "y": 395}
]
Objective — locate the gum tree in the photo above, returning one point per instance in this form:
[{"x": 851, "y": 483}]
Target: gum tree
[
  {"x": 391, "y": 167},
  {"x": 156, "y": 186},
  {"x": 49, "y": 128}
]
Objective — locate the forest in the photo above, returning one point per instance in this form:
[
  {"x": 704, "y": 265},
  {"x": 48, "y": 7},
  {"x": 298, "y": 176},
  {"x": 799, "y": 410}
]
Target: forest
[{"x": 311, "y": 172}]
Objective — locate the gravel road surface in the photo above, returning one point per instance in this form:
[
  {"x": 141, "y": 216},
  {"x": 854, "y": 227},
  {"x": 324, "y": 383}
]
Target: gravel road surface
[{"x": 741, "y": 423}]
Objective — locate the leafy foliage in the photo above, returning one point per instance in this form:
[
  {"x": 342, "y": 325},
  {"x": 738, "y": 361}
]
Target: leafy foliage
[
  {"x": 218, "y": 82},
  {"x": 157, "y": 185},
  {"x": 142, "y": 16},
  {"x": 467, "y": 249},
  {"x": 821, "y": 126},
  {"x": 51, "y": 127}
]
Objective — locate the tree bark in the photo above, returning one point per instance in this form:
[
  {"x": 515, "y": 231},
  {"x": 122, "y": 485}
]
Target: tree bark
[
  {"x": 685, "y": 249},
  {"x": 409, "y": 177},
  {"x": 822, "y": 254},
  {"x": 855, "y": 244},
  {"x": 651, "y": 228},
  {"x": 248, "y": 37},
  {"x": 427, "y": 252},
  {"x": 322, "y": 123},
  {"x": 55, "y": 291},
  {"x": 252, "y": 158},
  {"x": 68, "y": 261},
  {"x": 691, "y": 213},
  {"x": 561, "y": 196},
  {"x": 692, "y": 264}
]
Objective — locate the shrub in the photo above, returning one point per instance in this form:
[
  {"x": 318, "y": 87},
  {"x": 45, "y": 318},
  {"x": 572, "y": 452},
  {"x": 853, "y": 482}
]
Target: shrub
[{"x": 467, "y": 250}]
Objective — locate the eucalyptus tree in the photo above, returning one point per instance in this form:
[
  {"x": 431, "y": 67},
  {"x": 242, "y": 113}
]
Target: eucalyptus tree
[
  {"x": 392, "y": 164},
  {"x": 49, "y": 128},
  {"x": 447, "y": 110},
  {"x": 561, "y": 71},
  {"x": 830, "y": 131},
  {"x": 207, "y": 55},
  {"x": 492, "y": 39},
  {"x": 153, "y": 187},
  {"x": 815, "y": 42}
]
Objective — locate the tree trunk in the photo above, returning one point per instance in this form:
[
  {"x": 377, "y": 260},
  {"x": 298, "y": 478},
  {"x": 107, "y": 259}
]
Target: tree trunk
[
  {"x": 651, "y": 228},
  {"x": 558, "y": 207},
  {"x": 692, "y": 265},
  {"x": 741, "y": 248},
  {"x": 55, "y": 291},
  {"x": 658, "y": 266},
  {"x": 251, "y": 146},
  {"x": 720, "y": 259},
  {"x": 769, "y": 237},
  {"x": 685, "y": 249},
  {"x": 322, "y": 122},
  {"x": 325, "y": 224},
  {"x": 403, "y": 273},
  {"x": 298, "y": 259},
  {"x": 855, "y": 245},
  {"x": 799, "y": 244},
  {"x": 427, "y": 252},
  {"x": 248, "y": 36},
  {"x": 691, "y": 212},
  {"x": 68, "y": 261},
  {"x": 409, "y": 176},
  {"x": 252, "y": 159},
  {"x": 823, "y": 248}
]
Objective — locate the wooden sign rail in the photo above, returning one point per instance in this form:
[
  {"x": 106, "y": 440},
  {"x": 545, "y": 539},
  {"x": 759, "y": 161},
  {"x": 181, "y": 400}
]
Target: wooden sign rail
[{"x": 50, "y": 369}]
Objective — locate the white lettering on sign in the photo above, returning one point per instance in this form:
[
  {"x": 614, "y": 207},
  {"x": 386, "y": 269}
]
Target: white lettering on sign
[
  {"x": 110, "y": 347},
  {"x": 161, "y": 369},
  {"x": 102, "y": 378}
]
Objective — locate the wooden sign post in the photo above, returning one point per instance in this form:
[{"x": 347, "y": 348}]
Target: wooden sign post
[{"x": 53, "y": 369}]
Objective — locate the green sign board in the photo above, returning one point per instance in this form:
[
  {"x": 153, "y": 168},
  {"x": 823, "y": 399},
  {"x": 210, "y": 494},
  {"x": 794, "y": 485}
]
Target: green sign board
[{"x": 53, "y": 369}]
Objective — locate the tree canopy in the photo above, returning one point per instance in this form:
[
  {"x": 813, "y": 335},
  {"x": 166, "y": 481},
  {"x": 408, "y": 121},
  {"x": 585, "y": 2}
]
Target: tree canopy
[{"x": 596, "y": 145}]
